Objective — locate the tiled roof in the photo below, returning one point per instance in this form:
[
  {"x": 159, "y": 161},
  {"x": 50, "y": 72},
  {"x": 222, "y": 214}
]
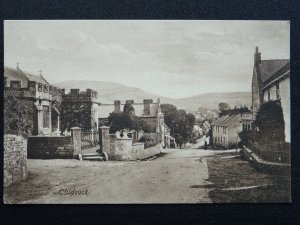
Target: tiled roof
[
  {"x": 233, "y": 119},
  {"x": 226, "y": 120},
  {"x": 268, "y": 67},
  {"x": 281, "y": 71},
  {"x": 221, "y": 119}
]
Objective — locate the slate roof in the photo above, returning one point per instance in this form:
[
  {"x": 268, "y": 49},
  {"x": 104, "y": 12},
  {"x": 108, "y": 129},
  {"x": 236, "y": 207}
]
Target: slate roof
[
  {"x": 281, "y": 71},
  {"x": 226, "y": 121},
  {"x": 221, "y": 119},
  {"x": 29, "y": 76},
  {"x": 105, "y": 109},
  {"x": 269, "y": 67}
]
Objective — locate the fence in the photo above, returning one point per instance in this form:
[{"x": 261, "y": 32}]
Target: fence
[
  {"x": 271, "y": 155},
  {"x": 90, "y": 138}
]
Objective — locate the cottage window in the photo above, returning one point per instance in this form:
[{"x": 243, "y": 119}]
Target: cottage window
[
  {"x": 15, "y": 84},
  {"x": 277, "y": 91},
  {"x": 45, "y": 89},
  {"x": 50, "y": 90},
  {"x": 46, "y": 116}
]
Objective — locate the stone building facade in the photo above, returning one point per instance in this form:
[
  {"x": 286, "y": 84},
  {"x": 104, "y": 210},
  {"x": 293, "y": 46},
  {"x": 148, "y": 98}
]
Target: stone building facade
[
  {"x": 271, "y": 81},
  {"x": 79, "y": 109},
  {"x": 225, "y": 131},
  {"x": 41, "y": 100},
  {"x": 148, "y": 111}
]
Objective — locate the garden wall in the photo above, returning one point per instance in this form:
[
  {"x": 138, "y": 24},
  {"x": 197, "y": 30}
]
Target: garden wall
[
  {"x": 123, "y": 148},
  {"x": 15, "y": 159},
  {"x": 50, "y": 147}
]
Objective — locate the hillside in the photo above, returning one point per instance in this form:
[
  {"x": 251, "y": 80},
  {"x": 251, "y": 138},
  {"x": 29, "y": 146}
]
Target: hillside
[
  {"x": 108, "y": 92},
  {"x": 212, "y": 100}
]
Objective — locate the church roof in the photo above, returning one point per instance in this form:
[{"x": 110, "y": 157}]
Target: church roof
[
  {"x": 29, "y": 76},
  {"x": 269, "y": 67}
]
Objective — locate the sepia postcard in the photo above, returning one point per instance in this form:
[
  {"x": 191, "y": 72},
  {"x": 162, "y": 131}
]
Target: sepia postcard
[{"x": 146, "y": 111}]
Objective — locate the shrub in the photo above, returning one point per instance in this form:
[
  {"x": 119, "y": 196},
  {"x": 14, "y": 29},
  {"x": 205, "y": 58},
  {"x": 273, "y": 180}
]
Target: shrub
[{"x": 150, "y": 139}]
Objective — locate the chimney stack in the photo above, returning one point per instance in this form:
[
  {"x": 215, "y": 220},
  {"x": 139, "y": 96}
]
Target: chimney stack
[
  {"x": 131, "y": 102},
  {"x": 117, "y": 104},
  {"x": 257, "y": 56}
]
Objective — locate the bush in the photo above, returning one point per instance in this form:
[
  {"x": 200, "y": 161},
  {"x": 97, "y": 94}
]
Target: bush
[{"x": 150, "y": 139}]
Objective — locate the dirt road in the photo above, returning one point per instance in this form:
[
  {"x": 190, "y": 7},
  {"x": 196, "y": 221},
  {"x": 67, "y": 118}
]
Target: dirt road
[{"x": 168, "y": 179}]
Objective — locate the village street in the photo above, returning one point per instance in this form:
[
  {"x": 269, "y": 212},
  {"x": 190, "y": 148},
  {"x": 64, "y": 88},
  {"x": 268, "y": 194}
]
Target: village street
[{"x": 171, "y": 178}]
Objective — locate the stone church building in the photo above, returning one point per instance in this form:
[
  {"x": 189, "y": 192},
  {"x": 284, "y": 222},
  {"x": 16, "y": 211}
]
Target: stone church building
[
  {"x": 41, "y": 100},
  {"x": 271, "y": 81}
]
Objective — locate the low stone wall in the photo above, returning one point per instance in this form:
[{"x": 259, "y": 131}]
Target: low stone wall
[
  {"x": 123, "y": 149},
  {"x": 51, "y": 147},
  {"x": 15, "y": 159},
  {"x": 259, "y": 164}
]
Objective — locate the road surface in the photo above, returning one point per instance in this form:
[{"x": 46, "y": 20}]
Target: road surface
[{"x": 177, "y": 177}]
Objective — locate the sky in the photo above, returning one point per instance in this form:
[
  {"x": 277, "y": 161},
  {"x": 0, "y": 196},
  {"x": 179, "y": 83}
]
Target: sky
[{"x": 170, "y": 58}]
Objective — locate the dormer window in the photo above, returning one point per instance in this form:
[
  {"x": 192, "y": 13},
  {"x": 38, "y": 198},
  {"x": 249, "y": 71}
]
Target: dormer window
[
  {"x": 50, "y": 90},
  {"x": 45, "y": 89}
]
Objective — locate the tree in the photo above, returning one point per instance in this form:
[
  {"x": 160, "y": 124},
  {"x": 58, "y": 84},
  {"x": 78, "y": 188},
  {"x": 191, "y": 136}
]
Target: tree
[
  {"x": 119, "y": 121},
  {"x": 270, "y": 122},
  {"x": 128, "y": 108},
  {"x": 126, "y": 120},
  {"x": 223, "y": 106},
  {"x": 234, "y": 111},
  {"x": 180, "y": 123},
  {"x": 14, "y": 115}
]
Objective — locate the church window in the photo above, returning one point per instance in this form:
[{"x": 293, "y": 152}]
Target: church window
[
  {"x": 46, "y": 116},
  {"x": 40, "y": 88}
]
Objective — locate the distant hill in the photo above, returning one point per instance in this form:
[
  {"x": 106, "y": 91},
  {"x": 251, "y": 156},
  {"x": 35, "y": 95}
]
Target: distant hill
[
  {"x": 212, "y": 100},
  {"x": 109, "y": 91}
]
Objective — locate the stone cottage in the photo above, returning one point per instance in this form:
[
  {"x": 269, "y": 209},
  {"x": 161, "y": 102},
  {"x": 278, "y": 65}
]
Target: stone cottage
[
  {"x": 41, "y": 100},
  {"x": 271, "y": 81},
  {"x": 225, "y": 131}
]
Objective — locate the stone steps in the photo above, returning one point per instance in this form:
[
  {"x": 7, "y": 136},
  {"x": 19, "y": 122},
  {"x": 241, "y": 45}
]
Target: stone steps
[{"x": 94, "y": 156}]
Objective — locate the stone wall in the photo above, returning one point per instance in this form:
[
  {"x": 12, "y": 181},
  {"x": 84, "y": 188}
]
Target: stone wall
[
  {"x": 15, "y": 159},
  {"x": 123, "y": 148},
  {"x": 51, "y": 147}
]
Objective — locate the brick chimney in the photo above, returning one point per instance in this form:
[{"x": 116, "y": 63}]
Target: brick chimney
[
  {"x": 147, "y": 103},
  {"x": 257, "y": 56},
  {"x": 131, "y": 102},
  {"x": 117, "y": 104}
]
